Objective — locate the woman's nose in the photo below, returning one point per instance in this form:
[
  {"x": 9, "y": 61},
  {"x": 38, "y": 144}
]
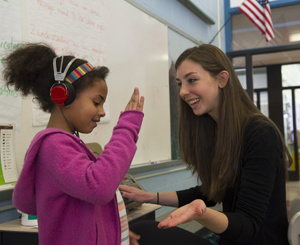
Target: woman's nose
[{"x": 183, "y": 91}]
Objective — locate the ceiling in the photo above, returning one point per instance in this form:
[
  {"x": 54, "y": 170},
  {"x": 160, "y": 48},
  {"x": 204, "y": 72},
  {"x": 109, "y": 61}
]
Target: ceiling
[{"x": 245, "y": 35}]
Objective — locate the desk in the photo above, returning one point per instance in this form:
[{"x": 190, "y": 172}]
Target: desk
[
  {"x": 13, "y": 232},
  {"x": 144, "y": 212}
]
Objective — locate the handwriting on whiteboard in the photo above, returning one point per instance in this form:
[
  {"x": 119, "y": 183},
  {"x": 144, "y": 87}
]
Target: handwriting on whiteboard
[{"x": 75, "y": 27}]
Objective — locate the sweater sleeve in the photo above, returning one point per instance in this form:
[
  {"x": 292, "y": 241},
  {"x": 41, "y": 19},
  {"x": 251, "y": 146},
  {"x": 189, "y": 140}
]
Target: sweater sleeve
[
  {"x": 261, "y": 162},
  {"x": 189, "y": 195},
  {"x": 74, "y": 173}
]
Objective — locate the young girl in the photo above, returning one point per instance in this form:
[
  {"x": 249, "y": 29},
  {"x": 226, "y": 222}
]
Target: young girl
[
  {"x": 237, "y": 153},
  {"x": 72, "y": 192}
]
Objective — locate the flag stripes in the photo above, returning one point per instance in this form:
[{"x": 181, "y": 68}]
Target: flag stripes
[{"x": 259, "y": 12}]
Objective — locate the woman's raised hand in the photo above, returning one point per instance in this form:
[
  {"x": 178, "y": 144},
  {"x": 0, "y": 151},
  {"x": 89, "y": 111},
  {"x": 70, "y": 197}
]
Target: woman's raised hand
[{"x": 135, "y": 102}]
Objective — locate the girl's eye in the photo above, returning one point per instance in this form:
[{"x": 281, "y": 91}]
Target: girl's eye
[
  {"x": 179, "y": 84},
  {"x": 96, "y": 103}
]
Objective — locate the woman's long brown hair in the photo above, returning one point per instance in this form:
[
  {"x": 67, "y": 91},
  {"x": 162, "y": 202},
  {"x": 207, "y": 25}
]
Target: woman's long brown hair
[{"x": 210, "y": 149}]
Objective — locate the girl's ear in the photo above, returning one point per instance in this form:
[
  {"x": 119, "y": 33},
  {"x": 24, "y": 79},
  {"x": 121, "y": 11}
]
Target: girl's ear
[
  {"x": 223, "y": 78},
  {"x": 66, "y": 106}
]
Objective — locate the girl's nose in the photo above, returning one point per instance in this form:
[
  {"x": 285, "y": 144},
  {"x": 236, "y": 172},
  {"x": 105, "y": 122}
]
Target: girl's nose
[{"x": 101, "y": 112}]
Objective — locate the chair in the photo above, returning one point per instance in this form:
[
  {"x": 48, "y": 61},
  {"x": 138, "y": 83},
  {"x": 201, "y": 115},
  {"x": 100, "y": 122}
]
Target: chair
[
  {"x": 294, "y": 225},
  {"x": 95, "y": 148}
]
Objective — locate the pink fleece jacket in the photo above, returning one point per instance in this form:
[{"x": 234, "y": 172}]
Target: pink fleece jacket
[{"x": 70, "y": 190}]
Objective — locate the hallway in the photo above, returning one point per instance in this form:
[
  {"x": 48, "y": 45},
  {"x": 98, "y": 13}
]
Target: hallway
[{"x": 292, "y": 191}]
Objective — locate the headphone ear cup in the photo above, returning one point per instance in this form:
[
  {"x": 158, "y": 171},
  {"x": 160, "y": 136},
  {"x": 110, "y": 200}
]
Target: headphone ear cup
[
  {"x": 59, "y": 93},
  {"x": 71, "y": 93},
  {"x": 62, "y": 93}
]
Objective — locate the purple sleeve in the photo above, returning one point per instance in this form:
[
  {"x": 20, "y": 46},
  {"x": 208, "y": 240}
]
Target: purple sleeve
[{"x": 76, "y": 175}]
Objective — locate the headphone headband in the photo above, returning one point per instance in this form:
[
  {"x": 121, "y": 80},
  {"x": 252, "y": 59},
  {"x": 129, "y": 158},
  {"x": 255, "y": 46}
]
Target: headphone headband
[
  {"x": 60, "y": 76},
  {"x": 79, "y": 72},
  {"x": 63, "y": 92}
]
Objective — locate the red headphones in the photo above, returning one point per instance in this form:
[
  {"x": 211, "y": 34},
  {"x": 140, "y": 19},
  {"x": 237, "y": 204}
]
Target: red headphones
[{"x": 62, "y": 92}]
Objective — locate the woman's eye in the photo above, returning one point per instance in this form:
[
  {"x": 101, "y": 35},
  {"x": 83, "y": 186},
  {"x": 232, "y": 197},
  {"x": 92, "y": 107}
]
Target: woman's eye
[
  {"x": 192, "y": 80},
  {"x": 96, "y": 103},
  {"x": 178, "y": 84}
]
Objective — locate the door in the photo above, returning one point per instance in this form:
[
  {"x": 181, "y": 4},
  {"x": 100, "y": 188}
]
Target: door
[{"x": 276, "y": 93}]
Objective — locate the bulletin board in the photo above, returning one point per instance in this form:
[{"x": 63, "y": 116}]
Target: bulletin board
[{"x": 113, "y": 33}]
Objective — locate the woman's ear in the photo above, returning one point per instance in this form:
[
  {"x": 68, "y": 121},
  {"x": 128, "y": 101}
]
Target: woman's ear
[{"x": 223, "y": 78}]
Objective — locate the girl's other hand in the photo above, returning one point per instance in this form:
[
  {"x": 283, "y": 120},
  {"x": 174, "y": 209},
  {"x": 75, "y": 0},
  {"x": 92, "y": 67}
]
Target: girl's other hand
[
  {"x": 133, "y": 238},
  {"x": 135, "y": 102}
]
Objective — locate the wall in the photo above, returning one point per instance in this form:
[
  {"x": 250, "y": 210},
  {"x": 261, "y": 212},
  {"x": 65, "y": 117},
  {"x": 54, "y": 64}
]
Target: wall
[{"x": 175, "y": 13}]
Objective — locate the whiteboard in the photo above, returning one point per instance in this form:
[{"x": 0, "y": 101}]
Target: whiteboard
[
  {"x": 177, "y": 44},
  {"x": 136, "y": 52}
]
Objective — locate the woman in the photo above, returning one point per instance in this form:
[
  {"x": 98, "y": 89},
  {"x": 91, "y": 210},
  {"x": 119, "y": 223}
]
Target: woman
[{"x": 238, "y": 154}]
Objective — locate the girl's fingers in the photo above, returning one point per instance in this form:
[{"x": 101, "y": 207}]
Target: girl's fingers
[
  {"x": 140, "y": 106},
  {"x": 135, "y": 103}
]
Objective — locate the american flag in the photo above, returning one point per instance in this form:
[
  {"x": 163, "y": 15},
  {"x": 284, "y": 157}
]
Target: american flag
[{"x": 259, "y": 12}]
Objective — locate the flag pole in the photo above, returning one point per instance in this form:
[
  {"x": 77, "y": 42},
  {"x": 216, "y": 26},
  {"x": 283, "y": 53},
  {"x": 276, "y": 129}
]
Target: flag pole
[{"x": 223, "y": 26}]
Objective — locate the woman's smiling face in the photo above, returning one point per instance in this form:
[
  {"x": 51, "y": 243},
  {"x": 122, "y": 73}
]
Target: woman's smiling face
[{"x": 198, "y": 88}]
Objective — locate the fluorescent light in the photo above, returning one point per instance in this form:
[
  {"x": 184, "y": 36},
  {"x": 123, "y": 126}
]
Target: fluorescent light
[{"x": 294, "y": 37}]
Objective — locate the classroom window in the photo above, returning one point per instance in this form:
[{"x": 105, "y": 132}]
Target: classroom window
[
  {"x": 259, "y": 77},
  {"x": 264, "y": 103},
  {"x": 290, "y": 75}
]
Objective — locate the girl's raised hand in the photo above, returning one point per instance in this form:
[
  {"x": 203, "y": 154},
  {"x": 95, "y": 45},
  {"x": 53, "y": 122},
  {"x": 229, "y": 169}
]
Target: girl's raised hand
[{"x": 135, "y": 102}]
